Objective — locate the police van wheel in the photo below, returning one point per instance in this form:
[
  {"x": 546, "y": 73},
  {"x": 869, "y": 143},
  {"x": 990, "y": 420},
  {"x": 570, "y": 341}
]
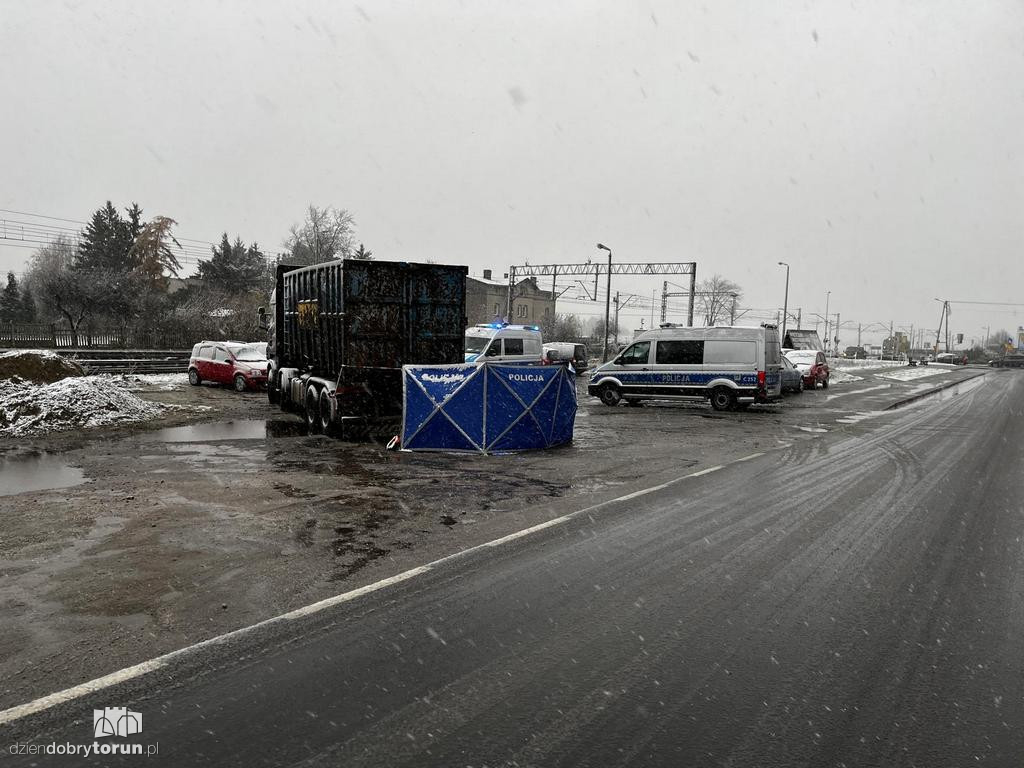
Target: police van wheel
[
  {"x": 610, "y": 394},
  {"x": 722, "y": 399}
]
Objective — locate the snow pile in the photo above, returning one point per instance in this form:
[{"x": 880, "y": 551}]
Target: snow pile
[
  {"x": 72, "y": 403},
  {"x": 837, "y": 376},
  {"x": 39, "y": 365}
]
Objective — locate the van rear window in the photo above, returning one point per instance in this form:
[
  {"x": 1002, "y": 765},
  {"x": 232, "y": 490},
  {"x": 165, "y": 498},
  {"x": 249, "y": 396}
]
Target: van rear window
[
  {"x": 729, "y": 351},
  {"x": 682, "y": 352}
]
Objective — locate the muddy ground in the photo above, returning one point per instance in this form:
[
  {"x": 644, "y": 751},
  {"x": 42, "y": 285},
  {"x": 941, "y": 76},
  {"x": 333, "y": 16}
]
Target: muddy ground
[{"x": 215, "y": 518}]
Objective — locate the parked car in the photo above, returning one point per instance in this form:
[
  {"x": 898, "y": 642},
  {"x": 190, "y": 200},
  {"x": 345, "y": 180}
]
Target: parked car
[
  {"x": 792, "y": 378},
  {"x": 812, "y": 365},
  {"x": 565, "y": 352},
  {"x": 237, "y": 364}
]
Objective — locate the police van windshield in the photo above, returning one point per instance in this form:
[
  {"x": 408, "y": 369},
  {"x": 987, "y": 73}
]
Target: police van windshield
[{"x": 475, "y": 344}]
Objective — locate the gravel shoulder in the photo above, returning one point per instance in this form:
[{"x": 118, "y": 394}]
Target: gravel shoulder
[{"x": 224, "y": 512}]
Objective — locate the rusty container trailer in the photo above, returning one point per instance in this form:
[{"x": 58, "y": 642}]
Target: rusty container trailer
[{"x": 340, "y": 332}]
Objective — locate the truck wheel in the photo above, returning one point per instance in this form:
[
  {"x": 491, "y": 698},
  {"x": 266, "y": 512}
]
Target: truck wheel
[
  {"x": 722, "y": 399},
  {"x": 193, "y": 377},
  {"x": 239, "y": 383},
  {"x": 324, "y": 413},
  {"x": 610, "y": 395},
  {"x": 312, "y": 409}
]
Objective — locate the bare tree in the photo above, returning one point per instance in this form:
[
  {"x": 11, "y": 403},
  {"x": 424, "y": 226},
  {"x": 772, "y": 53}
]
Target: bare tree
[
  {"x": 326, "y": 234},
  {"x": 62, "y": 290},
  {"x": 559, "y": 327},
  {"x": 718, "y": 299}
]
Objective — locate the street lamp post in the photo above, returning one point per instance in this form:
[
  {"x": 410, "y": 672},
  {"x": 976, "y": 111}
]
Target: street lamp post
[
  {"x": 827, "y": 295},
  {"x": 607, "y": 302},
  {"x": 785, "y": 302}
]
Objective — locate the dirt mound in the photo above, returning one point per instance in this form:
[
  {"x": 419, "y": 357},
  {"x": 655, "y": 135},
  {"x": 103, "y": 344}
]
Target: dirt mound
[
  {"x": 40, "y": 366},
  {"x": 71, "y": 403}
]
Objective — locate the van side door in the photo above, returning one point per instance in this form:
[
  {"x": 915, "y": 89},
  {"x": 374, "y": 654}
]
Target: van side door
[{"x": 679, "y": 365}]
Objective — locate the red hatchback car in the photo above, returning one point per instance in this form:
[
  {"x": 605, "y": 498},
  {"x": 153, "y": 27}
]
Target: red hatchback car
[
  {"x": 812, "y": 365},
  {"x": 243, "y": 366}
]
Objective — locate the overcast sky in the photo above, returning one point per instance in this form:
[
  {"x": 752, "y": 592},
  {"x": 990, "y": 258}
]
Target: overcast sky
[{"x": 876, "y": 147}]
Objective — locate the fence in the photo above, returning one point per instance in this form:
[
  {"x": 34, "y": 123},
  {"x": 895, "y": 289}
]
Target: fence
[{"x": 53, "y": 336}]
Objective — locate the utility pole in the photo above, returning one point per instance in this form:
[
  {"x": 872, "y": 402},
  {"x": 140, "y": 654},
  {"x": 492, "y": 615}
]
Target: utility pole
[
  {"x": 835, "y": 347},
  {"x": 607, "y": 302},
  {"x": 693, "y": 295},
  {"x": 785, "y": 300},
  {"x": 859, "y": 329},
  {"x": 828, "y": 295}
]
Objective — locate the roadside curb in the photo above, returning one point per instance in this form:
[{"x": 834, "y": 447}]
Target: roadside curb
[{"x": 929, "y": 392}]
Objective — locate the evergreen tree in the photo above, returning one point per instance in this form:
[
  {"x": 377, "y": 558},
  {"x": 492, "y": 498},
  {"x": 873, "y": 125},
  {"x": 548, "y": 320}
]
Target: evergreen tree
[
  {"x": 107, "y": 239},
  {"x": 10, "y": 300},
  {"x": 362, "y": 253},
  {"x": 234, "y": 268},
  {"x": 28, "y": 306}
]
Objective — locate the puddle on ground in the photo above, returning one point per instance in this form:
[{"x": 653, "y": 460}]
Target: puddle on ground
[
  {"x": 250, "y": 429},
  {"x": 36, "y": 472}
]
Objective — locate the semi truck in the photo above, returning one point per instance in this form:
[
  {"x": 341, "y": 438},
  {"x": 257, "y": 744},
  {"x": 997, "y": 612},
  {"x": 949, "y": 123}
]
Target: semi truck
[{"x": 338, "y": 334}]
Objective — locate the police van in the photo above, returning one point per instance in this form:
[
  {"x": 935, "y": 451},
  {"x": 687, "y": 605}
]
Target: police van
[
  {"x": 730, "y": 366},
  {"x": 503, "y": 343}
]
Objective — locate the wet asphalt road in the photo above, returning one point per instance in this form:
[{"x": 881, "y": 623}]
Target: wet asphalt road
[{"x": 853, "y": 600}]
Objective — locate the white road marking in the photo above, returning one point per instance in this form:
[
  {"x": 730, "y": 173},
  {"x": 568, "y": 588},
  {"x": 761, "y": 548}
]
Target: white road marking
[
  {"x": 143, "y": 668},
  {"x": 748, "y": 458},
  {"x": 114, "y": 678},
  {"x": 707, "y": 471}
]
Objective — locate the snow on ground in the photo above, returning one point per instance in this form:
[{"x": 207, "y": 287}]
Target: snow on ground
[
  {"x": 844, "y": 363},
  {"x": 910, "y": 374},
  {"x": 77, "y": 402},
  {"x": 142, "y": 382},
  {"x": 842, "y": 377}
]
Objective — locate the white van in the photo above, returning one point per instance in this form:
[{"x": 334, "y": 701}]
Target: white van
[
  {"x": 731, "y": 366},
  {"x": 503, "y": 343}
]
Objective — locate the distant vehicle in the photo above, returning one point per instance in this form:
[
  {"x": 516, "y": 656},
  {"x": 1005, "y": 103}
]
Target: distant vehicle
[
  {"x": 243, "y": 366},
  {"x": 792, "y": 378},
  {"x": 855, "y": 353},
  {"x": 732, "y": 367},
  {"x": 503, "y": 343},
  {"x": 1012, "y": 360},
  {"x": 798, "y": 338},
  {"x": 812, "y": 365},
  {"x": 339, "y": 333},
  {"x": 565, "y": 352}
]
